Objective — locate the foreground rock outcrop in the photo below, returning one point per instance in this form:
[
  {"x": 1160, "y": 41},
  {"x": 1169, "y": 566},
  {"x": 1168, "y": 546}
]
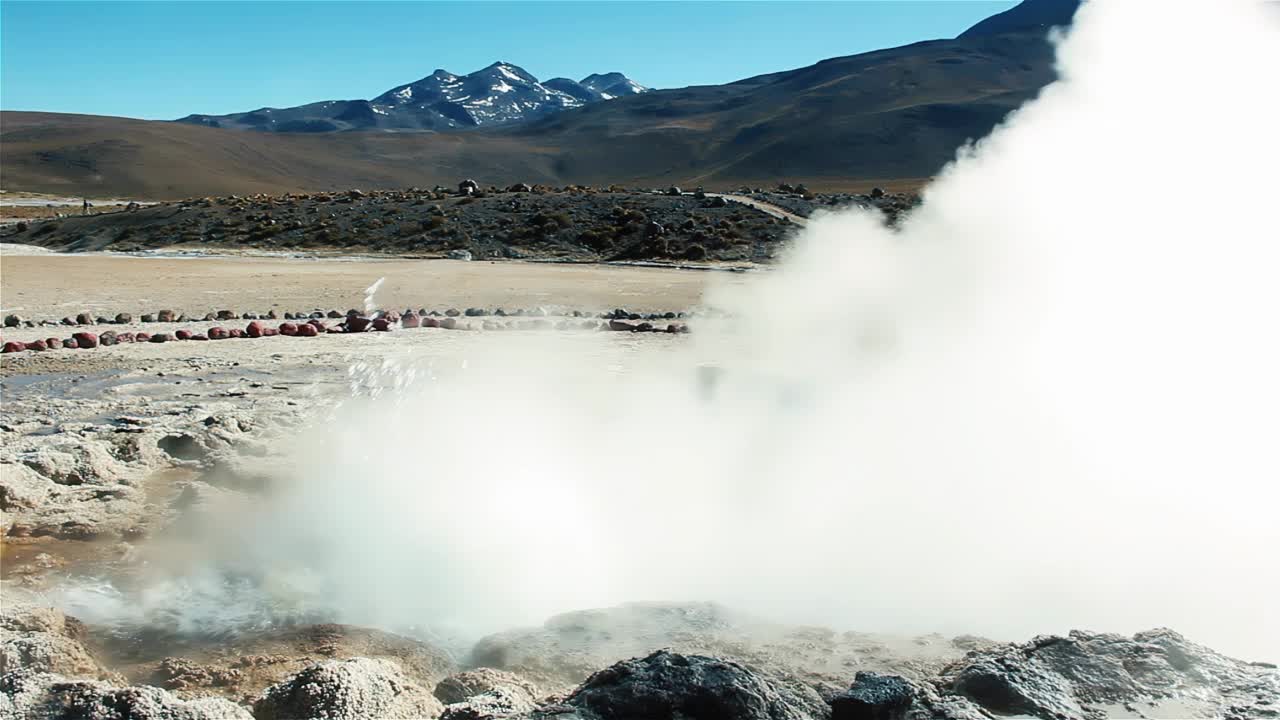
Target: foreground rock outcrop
[
  {"x": 35, "y": 695},
  {"x": 353, "y": 688}
]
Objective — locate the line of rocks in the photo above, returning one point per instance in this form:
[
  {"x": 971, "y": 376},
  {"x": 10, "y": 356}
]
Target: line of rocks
[{"x": 354, "y": 321}]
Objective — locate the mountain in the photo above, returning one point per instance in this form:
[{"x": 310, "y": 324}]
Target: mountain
[
  {"x": 500, "y": 93},
  {"x": 1029, "y": 15},
  {"x": 844, "y": 123}
]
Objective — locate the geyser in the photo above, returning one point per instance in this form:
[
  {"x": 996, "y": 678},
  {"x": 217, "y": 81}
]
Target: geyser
[{"x": 1046, "y": 401}]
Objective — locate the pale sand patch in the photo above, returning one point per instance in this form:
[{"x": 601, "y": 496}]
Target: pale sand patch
[{"x": 50, "y": 286}]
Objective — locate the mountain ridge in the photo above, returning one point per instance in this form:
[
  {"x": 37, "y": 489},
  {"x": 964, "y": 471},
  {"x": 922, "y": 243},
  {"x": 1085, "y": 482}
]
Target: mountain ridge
[{"x": 497, "y": 94}]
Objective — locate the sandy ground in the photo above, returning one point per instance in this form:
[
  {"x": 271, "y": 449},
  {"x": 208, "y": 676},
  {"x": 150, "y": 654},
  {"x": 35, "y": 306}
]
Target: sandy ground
[{"x": 50, "y": 286}]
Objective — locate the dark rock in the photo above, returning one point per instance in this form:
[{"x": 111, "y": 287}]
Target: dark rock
[
  {"x": 182, "y": 335},
  {"x": 334, "y": 314},
  {"x": 877, "y": 193},
  {"x": 225, "y": 315},
  {"x": 357, "y": 323},
  {"x": 621, "y": 326},
  {"x": 86, "y": 340},
  {"x": 123, "y": 318},
  {"x": 147, "y": 318},
  {"x": 108, "y": 338},
  {"x": 166, "y": 316},
  {"x": 475, "y": 312},
  {"x": 161, "y": 338},
  {"x": 673, "y": 190},
  {"x": 452, "y": 312},
  {"x": 670, "y": 686},
  {"x": 382, "y": 324},
  {"x": 873, "y": 697},
  {"x": 12, "y": 321}
]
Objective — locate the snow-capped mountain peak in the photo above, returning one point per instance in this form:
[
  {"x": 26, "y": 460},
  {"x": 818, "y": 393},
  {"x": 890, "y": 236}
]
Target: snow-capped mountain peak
[{"x": 497, "y": 94}]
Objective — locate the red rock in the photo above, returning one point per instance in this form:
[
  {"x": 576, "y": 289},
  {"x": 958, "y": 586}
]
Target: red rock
[
  {"x": 254, "y": 329},
  {"x": 218, "y": 333},
  {"x": 199, "y": 336},
  {"x": 449, "y": 323},
  {"x": 183, "y": 334},
  {"x": 308, "y": 330},
  {"x": 382, "y": 325},
  {"x": 410, "y": 320},
  {"x": 12, "y": 347},
  {"x": 53, "y": 343},
  {"x": 430, "y": 322},
  {"x": 288, "y": 329},
  {"x": 270, "y": 332},
  {"x": 85, "y": 340},
  {"x": 318, "y": 323},
  {"x": 37, "y": 345},
  {"x": 141, "y": 337},
  {"x": 70, "y": 343},
  {"x": 124, "y": 337},
  {"x": 235, "y": 333},
  {"x": 357, "y": 323}
]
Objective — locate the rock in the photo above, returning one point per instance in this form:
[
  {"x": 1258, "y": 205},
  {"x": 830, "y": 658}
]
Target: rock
[
  {"x": 43, "y": 639},
  {"x": 160, "y": 338},
  {"x": 46, "y": 696},
  {"x": 225, "y": 315},
  {"x": 271, "y": 315},
  {"x": 85, "y": 339},
  {"x": 53, "y": 343},
  {"x": 430, "y": 322},
  {"x": 148, "y": 318},
  {"x": 873, "y": 697},
  {"x": 520, "y": 187},
  {"x": 475, "y": 312},
  {"x": 235, "y": 333},
  {"x": 410, "y": 320},
  {"x": 352, "y": 688},
  {"x": 334, "y": 314},
  {"x": 182, "y": 335},
  {"x": 166, "y": 316},
  {"x": 13, "y": 321},
  {"x": 877, "y": 193},
  {"x": 1070, "y": 677},
  {"x": 254, "y": 329},
  {"x": 181, "y": 674},
  {"x": 249, "y": 316},
  {"x": 452, "y": 312},
  {"x": 288, "y": 328},
  {"x": 68, "y": 321},
  {"x": 123, "y": 318},
  {"x": 671, "y": 686},
  {"x": 620, "y": 326},
  {"x": 382, "y": 324},
  {"x": 70, "y": 343},
  {"x": 289, "y": 316},
  {"x": 84, "y": 318},
  {"x": 108, "y": 338},
  {"x": 308, "y": 330},
  {"x": 218, "y": 333},
  {"x": 673, "y": 190},
  {"x": 199, "y": 336},
  {"x": 460, "y": 255},
  {"x": 37, "y": 345},
  {"x": 13, "y": 347},
  {"x": 357, "y": 323},
  {"x": 461, "y": 686},
  {"x": 449, "y": 323},
  {"x": 468, "y": 187}
]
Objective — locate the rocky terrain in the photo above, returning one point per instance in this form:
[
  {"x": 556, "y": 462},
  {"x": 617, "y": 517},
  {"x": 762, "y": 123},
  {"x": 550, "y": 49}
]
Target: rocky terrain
[
  {"x": 519, "y": 222},
  {"x": 51, "y": 669},
  {"x": 500, "y": 93}
]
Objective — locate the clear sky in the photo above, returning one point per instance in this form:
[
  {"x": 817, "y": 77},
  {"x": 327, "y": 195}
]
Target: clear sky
[{"x": 171, "y": 58}]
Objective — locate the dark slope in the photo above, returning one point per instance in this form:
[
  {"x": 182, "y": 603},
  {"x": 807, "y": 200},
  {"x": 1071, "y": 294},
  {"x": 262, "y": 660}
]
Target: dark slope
[{"x": 1029, "y": 15}]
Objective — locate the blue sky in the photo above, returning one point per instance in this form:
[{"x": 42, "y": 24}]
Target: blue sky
[{"x": 167, "y": 59}]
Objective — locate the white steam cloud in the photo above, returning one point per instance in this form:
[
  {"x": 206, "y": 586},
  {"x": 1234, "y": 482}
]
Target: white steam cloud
[{"x": 1049, "y": 400}]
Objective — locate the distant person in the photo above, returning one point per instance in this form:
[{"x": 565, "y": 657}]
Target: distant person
[{"x": 86, "y": 206}]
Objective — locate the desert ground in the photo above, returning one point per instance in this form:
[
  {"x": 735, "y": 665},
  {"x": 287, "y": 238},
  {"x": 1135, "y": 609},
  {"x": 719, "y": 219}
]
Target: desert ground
[{"x": 113, "y": 455}]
